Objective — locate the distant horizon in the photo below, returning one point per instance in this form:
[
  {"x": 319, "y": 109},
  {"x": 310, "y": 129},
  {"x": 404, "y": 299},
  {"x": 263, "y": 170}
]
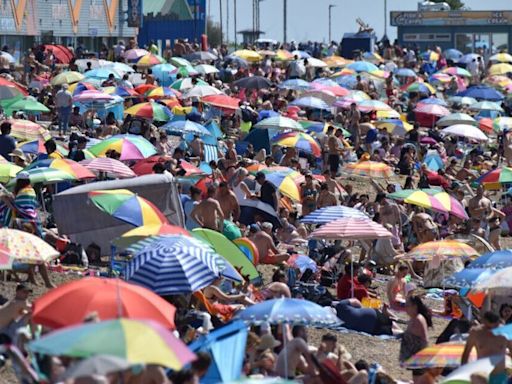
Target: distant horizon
[{"x": 308, "y": 19}]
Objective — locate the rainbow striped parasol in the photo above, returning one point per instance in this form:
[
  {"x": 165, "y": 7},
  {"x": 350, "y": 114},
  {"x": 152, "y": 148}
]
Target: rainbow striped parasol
[
  {"x": 444, "y": 355},
  {"x": 434, "y": 199},
  {"x": 369, "y": 168},
  {"x": 443, "y": 249}
]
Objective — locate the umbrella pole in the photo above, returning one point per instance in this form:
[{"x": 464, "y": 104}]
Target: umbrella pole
[{"x": 352, "y": 276}]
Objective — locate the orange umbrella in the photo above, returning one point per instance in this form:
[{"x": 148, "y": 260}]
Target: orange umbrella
[
  {"x": 143, "y": 88},
  {"x": 70, "y": 303}
]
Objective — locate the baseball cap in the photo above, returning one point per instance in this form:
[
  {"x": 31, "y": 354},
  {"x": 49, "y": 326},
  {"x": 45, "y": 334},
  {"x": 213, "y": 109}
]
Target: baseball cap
[{"x": 254, "y": 228}]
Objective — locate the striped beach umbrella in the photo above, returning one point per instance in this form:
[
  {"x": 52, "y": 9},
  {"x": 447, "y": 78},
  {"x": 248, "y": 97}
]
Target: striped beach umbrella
[
  {"x": 131, "y": 147},
  {"x": 495, "y": 260},
  {"x": 444, "y": 355},
  {"x": 434, "y": 199},
  {"x": 369, "y": 168},
  {"x": 173, "y": 265},
  {"x": 495, "y": 178},
  {"x": 279, "y": 122},
  {"x": 299, "y": 140},
  {"x": 443, "y": 249},
  {"x": 150, "y": 60},
  {"x": 27, "y": 130},
  {"x": 76, "y": 169},
  {"x": 150, "y": 110},
  {"x": 351, "y": 228},
  {"x": 327, "y": 214},
  {"x": 394, "y": 127},
  {"x": 110, "y": 167}
]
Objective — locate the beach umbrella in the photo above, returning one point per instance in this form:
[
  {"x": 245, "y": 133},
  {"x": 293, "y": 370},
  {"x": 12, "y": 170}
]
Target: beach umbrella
[
  {"x": 502, "y": 123},
  {"x": 496, "y": 260},
  {"x": 301, "y": 54},
  {"x": 333, "y": 87},
  {"x": 253, "y": 82},
  {"x": 131, "y": 147},
  {"x": 93, "y": 96},
  {"x": 373, "y": 57},
  {"x": 121, "y": 92},
  {"x": 163, "y": 72},
  {"x": 462, "y": 100},
  {"x": 466, "y": 131},
  {"x": 322, "y": 94},
  {"x": 149, "y": 60},
  {"x": 469, "y": 57},
  {"x": 486, "y": 125},
  {"x": 95, "y": 63},
  {"x": 121, "y": 68},
  {"x": 444, "y": 355},
  {"x": 222, "y": 101},
  {"x": 351, "y": 228},
  {"x": 405, "y": 72},
  {"x": 110, "y": 167},
  {"x": 395, "y": 127},
  {"x": 206, "y": 69},
  {"x": 501, "y": 57},
  {"x": 418, "y": 87},
  {"x": 499, "y": 283},
  {"x": 482, "y": 92},
  {"x": 369, "y": 168},
  {"x": 453, "y": 54},
  {"x": 283, "y": 55},
  {"x": 66, "y": 165},
  {"x": 201, "y": 91},
  {"x": 187, "y": 83},
  {"x": 440, "y": 78},
  {"x": 186, "y": 126},
  {"x": 336, "y": 61},
  {"x": 455, "y": 71},
  {"x": 443, "y": 249},
  {"x": 162, "y": 92},
  {"x": 327, "y": 214},
  {"x": 500, "y": 69},
  {"x": 433, "y": 100},
  {"x": 299, "y": 140},
  {"x": 133, "y": 55},
  {"x": 137, "y": 341},
  {"x": 373, "y": 105},
  {"x": 486, "y": 106},
  {"x": 143, "y": 89},
  {"x": 316, "y": 63},
  {"x": 186, "y": 71},
  {"x": 10, "y": 89},
  {"x": 288, "y": 311},
  {"x": 127, "y": 206},
  {"x": 81, "y": 86},
  {"x": 140, "y": 233},
  {"x": 174, "y": 264},
  {"x": 295, "y": 84},
  {"x": 28, "y": 104},
  {"x": 285, "y": 183},
  {"x": 279, "y": 122},
  {"x": 99, "y": 365},
  {"x": 463, "y": 374},
  {"x": 456, "y": 118},
  {"x": 180, "y": 62},
  {"x": 201, "y": 56},
  {"x": 150, "y": 110},
  {"x": 310, "y": 102},
  {"x": 23, "y": 247},
  {"x": 67, "y": 77},
  {"x": 70, "y": 303},
  {"x": 432, "y": 109},
  {"x": 362, "y": 66},
  {"x": 8, "y": 171},
  {"x": 247, "y": 55},
  {"x": 429, "y": 55},
  {"x": 495, "y": 178},
  {"x": 46, "y": 176},
  {"x": 467, "y": 278},
  {"x": 27, "y": 130},
  {"x": 432, "y": 159},
  {"x": 36, "y": 147},
  {"x": 102, "y": 73},
  {"x": 434, "y": 199}
]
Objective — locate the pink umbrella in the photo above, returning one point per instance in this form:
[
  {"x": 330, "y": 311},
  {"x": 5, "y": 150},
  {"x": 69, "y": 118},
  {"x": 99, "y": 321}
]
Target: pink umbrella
[
  {"x": 135, "y": 54},
  {"x": 336, "y": 90},
  {"x": 93, "y": 96},
  {"x": 432, "y": 109},
  {"x": 111, "y": 167},
  {"x": 351, "y": 229}
]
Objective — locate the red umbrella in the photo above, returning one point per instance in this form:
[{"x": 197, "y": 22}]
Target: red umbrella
[
  {"x": 61, "y": 53},
  {"x": 143, "y": 88},
  {"x": 170, "y": 103},
  {"x": 205, "y": 182},
  {"x": 145, "y": 166},
  {"x": 70, "y": 303},
  {"x": 14, "y": 86},
  {"x": 485, "y": 124},
  {"x": 222, "y": 101}
]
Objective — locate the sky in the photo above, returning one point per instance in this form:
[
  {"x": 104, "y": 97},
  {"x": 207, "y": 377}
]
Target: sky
[{"x": 308, "y": 19}]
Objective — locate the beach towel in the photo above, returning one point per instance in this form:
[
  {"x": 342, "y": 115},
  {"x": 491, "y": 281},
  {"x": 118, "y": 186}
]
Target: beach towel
[{"x": 26, "y": 205}]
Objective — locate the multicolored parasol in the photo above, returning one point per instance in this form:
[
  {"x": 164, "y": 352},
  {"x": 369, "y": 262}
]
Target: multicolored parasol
[
  {"x": 495, "y": 178},
  {"x": 433, "y": 199},
  {"x": 369, "y": 168},
  {"x": 443, "y": 249},
  {"x": 66, "y": 165},
  {"x": 299, "y": 140},
  {"x": 444, "y": 355},
  {"x": 131, "y": 147},
  {"x": 150, "y": 110}
]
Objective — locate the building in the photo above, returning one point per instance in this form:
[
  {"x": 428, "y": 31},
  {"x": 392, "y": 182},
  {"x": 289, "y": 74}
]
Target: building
[
  {"x": 463, "y": 30},
  {"x": 90, "y": 22},
  {"x": 165, "y": 21}
]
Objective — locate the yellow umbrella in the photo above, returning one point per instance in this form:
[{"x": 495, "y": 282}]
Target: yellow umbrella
[
  {"x": 336, "y": 61},
  {"x": 500, "y": 69},
  {"x": 248, "y": 55},
  {"x": 501, "y": 58},
  {"x": 369, "y": 168},
  {"x": 67, "y": 77}
]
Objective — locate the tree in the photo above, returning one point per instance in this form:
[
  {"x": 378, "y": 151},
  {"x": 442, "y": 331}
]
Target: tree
[
  {"x": 213, "y": 32},
  {"x": 454, "y": 4}
]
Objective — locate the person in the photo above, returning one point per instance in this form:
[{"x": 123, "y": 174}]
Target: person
[
  {"x": 15, "y": 314},
  {"x": 309, "y": 195},
  {"x": 506, "y": 313},
  {"x": 19, "y": 158},
  {"x": 415, "y": 336},
  {"x": 240, "y": 189},
  {"x": 395, "y": 288},
  {"x": 348, "y": 282},
  {"x": 326, "y": 198},
  {"x": 197, "y": 147},
  {"x": 267, "y": 191},
  {"x": 188, "y": 207},
  {"x": 368, "y": 320},
  {"x": 295, "y": 356},
  {"x": 225, "y": 304},
  {"x": 63, "y": 103},
  {"x": 228, "y": 202},
  {"x": 76, "y": 119},
  {"x": 354, "y": 116},
  {"x": 110, "y": 81},
  {"x": 7, "y": 142},
  {"x": 479, "y": 208},
  {"x": 333, "y": 154},
  {"x": 208, "y": 213},
  {"x": 125, "y": 82},
  {"x": 51, "y": 150},
  {"x": 263, "y": 241}
]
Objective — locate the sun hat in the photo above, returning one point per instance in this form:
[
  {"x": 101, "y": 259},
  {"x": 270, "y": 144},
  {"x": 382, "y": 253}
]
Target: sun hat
[{"x": 267, "y": 341}]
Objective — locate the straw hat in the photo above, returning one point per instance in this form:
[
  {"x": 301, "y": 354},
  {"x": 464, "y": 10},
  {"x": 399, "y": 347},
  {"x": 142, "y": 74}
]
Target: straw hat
[
  {"x": 19, "y": 154},
  {"x": 267, "y": 341}
]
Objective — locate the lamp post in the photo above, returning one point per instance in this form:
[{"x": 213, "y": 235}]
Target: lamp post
[
  {"x": 331, "y": 6},
  {"x": 234, "y": 22},
  {"x": 220, "y": 10},
  {"x": 386, "y": 18},
  {"x": 285, "y": 6}
]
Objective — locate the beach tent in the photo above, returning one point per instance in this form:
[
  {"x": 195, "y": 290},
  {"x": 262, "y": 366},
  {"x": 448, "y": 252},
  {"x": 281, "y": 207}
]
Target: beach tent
[
  {"x": 226, "y": 248},
  {"x": 226, "y": 346}
]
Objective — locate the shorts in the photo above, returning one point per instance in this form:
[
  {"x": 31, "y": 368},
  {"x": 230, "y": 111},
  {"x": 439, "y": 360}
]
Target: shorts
[
  {"x": 498, "y": 378},
  {"x": 334, "y": 162}
]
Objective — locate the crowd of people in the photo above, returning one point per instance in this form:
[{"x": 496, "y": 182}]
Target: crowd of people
[{"x": 346, "y": 277}]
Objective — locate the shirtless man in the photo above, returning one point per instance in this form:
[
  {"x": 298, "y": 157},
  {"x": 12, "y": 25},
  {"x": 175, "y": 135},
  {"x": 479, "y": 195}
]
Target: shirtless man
[
  {"x": 480, "y": 208},
  {"x": 296, "y": 356},
  {"x": 332, "y": 184},
  {"x": 208, "y": 213},
  {"x": 465, "y": 173},
  {"x": 488, "y": 344},
  {"x": 197, "y": 147},
  {"x": 333, "y": 154},
  {"x": 263, "y": 241},
  {"x": 354, "y": 116},
  {"x": 395, "y": 288},
  {"x": 14, "y": 314},
  {"x": 424, "y": 227},
  {"x": 228, "y": 202},
  {"x": 326, "y": 198}
]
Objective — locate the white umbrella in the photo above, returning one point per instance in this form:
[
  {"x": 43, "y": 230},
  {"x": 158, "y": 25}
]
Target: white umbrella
[
  {"x": 316, "y": 63},
  {"x": 456, "y": 118},
  {"x": 8, "y": 56},
  {"x": 95, "y": 63},
  {"x": 206, "y": 69},
  {"x": 499, "y": 282},
  {"x": 463, "y": 374},
  {"x": 202, "y": 91},
  {"x": 466, "y": 131}
]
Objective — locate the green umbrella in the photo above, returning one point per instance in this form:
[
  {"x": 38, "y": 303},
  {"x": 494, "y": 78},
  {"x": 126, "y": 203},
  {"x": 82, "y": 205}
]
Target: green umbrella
[
  {"x": 180, "y": 62},
  {"x": 8, "y": 171},
  {"x": 26, "y": 104},
  {"x": 45, "y": 176}
]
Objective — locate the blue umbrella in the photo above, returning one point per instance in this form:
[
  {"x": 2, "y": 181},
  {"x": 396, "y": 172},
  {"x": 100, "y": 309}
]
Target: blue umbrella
[
  {"x": 186, "y": 126},
  {"x": 310, "y": 102},
  {"x": 349, "y": 81},
  {"x": 102, "y": 73},
  {"x": 295, "y": 84},
  {"x": 362, "y": 66},
  {"x": 482, "y": 92},
  {"x": 241, "y": 63},
  {"x": 495, "y": 260},
  {"x": 504, "y": 330},
  {"x": 405, "y": 72},
  {"x": 467, "y": 277},
  {"x": 164, "y": 73},
  {"x": 434, "y": 100},
  {"x": 301, "y": 54},
  {"x": 433, "y": 161},
  {"x": 173, "y": 265},
  {"x": 327, "y": 214},
  {"x": 325, "y": 81},
  {"x": 453, "y": 54},
  {"x": 288, "y": 311}
]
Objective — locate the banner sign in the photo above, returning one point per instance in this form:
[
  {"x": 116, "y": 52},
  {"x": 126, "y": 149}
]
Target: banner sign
[
  {"x": 135, "y": 13},
  {"x": 447, "y": 18}
]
